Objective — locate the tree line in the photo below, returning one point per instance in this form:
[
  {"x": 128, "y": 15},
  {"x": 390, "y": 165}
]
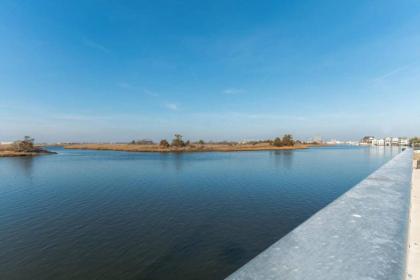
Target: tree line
[
  {"x": 286, "y": 140},
  {"x": 415, "y": 141},
  {"x": 178, "y": 142}
]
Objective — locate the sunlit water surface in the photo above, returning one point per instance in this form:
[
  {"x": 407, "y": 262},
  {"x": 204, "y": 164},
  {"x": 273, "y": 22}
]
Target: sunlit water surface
[{"x": 118, "y": 215}]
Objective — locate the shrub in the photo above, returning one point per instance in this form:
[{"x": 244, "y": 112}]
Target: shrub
[
  {"x": 288, "y": 140},
  {"x": 25, "y": 145},
  {"x": 415, "y": 141},
  {"x": 177, "y": 141},
  {"x": 277, "y": 142},
  {"x": 164, "y": 143}
]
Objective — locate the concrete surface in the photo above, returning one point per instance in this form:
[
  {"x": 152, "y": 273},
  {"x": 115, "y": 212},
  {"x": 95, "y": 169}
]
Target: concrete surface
[
  {"x": 362, "y": 235},
  {"x": 413, "y": 267}
]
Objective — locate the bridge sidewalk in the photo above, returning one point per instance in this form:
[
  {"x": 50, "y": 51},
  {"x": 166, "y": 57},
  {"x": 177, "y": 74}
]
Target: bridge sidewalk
[{"x": 413, "y": 265}]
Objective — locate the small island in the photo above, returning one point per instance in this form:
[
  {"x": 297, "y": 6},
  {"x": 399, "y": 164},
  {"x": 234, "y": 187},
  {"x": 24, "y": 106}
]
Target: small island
[
  {"x": 179, "y": 145},
  {"x": 22, "y": 148}
]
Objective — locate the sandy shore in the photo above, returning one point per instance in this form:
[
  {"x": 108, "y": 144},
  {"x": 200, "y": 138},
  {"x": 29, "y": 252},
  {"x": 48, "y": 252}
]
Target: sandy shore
[
  {"x": 413, "y": 263},
  {"x": 190, "y": 148}
]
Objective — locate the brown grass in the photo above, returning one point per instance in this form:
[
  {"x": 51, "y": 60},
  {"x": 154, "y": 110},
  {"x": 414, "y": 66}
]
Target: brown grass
[
  {"x": 190, "y": 148},
  {"x": 17, "y": 154},
  {"x": 416, "y": 156},
  {"x": 7, "y": 151},
  {"x": 5, "y": 147}
]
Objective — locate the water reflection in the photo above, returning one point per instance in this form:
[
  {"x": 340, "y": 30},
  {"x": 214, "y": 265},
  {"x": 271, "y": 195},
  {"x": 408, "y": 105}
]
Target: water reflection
[
  {"x": 115, "y": 216},
  {"x": 25, "y": 164},
  {"x": 175, "y": 160},
  {"x": 381, "y": 151},
  {"x": 283, "y": 158},
  {"x": 178, "y": 162}
]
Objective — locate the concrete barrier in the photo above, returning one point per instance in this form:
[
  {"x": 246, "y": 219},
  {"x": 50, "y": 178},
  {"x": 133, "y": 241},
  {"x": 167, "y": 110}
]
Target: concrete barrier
[{"x": 361, "y": 235}]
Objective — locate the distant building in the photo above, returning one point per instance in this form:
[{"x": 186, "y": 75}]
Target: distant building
[
  {"x": 395, "y": 141},
  {"x": 6, "y": 142},
  {"x": 388, "y": 141},
  {"x": 332, "y": 142},
  {"x": 144, "y": 142},
  {"x": 404, "y": 142},
  {"x": 316, "y": 139},
  {"x": 378, "y": 142},
  {"x": 367, "y": 140}
]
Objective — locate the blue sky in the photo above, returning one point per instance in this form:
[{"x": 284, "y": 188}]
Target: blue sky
[{"x": 122, "y": 70}]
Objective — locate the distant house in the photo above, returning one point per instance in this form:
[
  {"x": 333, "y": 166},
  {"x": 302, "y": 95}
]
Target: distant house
[
  {"x": 388, "y": 141},
  {"x": 404, "y": 142},
  {"x": 332, "y": 142},
  {"x": 6, "y": 142},
  {"x": 391, "y": 141},
  {"x": 378, "y": 142},
  {"x": 144, "y": 142}
]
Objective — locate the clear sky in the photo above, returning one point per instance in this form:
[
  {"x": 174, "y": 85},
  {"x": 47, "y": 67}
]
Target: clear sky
[{"x": 121, "y": 70}]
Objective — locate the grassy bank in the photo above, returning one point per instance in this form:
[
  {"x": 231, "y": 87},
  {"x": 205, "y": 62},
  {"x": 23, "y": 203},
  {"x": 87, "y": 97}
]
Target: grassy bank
[
  {"x": 20, "y": 154},
  {"x": 8, "y": 151},
  {"x": 189, "y": 148}
]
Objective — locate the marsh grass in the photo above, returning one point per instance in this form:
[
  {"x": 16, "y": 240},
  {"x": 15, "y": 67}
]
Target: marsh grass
[{"x": 189, "y": 148}]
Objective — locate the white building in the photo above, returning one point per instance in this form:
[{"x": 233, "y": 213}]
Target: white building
[
  {"x": 6, "y": 142},
  {"x": 388, "y": 141},
  {"x": 395, "y": 141},
  {"x": 404, "y": 142},
  {"x": 378, "y": 142},
  {"x": 332, "y": 142},
  {"x": 391, "y": 141}
]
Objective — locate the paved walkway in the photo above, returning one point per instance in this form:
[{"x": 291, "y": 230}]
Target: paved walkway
[{"x": 413, "y": 266}]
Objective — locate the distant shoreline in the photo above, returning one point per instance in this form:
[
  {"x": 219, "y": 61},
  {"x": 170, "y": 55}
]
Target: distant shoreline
[
  {"x": 192, "y": 148},
  {"x": 7, "y": 150},
  {"x": 24, "y": 154}
]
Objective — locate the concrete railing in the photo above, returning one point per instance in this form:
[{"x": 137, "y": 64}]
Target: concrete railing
[{"x": 361, "y": 235}]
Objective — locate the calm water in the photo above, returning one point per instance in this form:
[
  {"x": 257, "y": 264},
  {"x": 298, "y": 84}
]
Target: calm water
[{"x": 116, "y": 215}]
